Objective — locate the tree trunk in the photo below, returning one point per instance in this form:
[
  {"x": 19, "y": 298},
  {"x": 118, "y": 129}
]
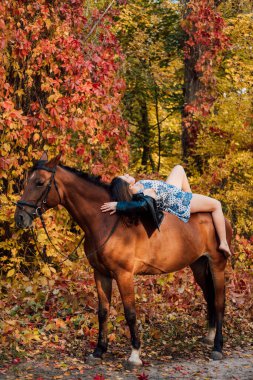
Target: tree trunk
[
  {"x": 145, "y": 132},
  {"x": 158, "y": 129},
  {"x": 192, "y": 85}
]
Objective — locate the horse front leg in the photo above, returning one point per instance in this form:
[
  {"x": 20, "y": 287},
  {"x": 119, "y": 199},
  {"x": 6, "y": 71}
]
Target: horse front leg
[
  {"x": 104, "y": 289},
  {"x": 125, "y": 283}
]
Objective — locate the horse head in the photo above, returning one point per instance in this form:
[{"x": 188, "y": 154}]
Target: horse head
[{"x": 40, "y": 193}]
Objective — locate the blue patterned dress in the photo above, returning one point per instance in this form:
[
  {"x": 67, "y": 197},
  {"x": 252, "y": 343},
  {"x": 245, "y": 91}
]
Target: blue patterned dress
[{"x": 170, "y": 198}]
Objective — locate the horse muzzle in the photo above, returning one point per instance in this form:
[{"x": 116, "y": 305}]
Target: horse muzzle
[{"x": 23, "y": 219}]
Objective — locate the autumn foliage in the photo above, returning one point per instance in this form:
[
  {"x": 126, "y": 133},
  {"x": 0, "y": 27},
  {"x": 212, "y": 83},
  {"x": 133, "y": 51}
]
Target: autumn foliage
[
  {"x": 63, "y": 74},
  {"x": 206, "y": 40},
  {"x": 60, "y": 92}
]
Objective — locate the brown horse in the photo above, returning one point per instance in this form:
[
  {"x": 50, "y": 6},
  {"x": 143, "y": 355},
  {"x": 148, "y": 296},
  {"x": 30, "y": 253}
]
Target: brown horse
[{"x": 117, "y": 251}]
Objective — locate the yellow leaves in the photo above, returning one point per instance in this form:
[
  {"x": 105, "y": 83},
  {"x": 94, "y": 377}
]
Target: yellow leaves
[
  {"x": 41, "y": 237},
  {"x": 57, "y": 324},
  {"x": 36, "y": 137},
  {"x": 30, "y": 335},
  {"x": 29, "y": 72},
  {"x": 45, "y": 86},
  {"x": 60, "y": 324},
  {"x": 20, "y": 92},
  {"x": 5, "y": 149},
  {"x": 48, "y": 23},
  {"x": 11, "y": 322},
  {"x": 11, "y": 273},
  {"x": 54, "y": 97},
  {"x": 47, "y": 270},
  {"x": 43, "y": 281},
  {"x": 50, "y": 327}
]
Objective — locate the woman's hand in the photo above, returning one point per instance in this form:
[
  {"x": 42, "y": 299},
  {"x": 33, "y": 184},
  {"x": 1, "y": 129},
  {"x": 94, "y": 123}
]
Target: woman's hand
[{"x": 109, "y": 206}]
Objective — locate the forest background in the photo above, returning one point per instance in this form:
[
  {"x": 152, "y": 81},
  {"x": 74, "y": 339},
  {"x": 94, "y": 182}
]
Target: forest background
[{"x": 135, "y": 86}]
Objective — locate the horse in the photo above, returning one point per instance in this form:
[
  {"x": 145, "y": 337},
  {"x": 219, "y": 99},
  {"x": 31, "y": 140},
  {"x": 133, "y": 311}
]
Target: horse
[{"x": 118, "y": 251}]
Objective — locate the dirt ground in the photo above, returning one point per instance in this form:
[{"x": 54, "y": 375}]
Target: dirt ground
[{"x": 237, "y": 365}]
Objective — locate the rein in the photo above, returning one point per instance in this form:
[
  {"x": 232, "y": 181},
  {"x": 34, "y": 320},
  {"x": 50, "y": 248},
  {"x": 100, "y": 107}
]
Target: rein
[{"x": 38, "y": 211}]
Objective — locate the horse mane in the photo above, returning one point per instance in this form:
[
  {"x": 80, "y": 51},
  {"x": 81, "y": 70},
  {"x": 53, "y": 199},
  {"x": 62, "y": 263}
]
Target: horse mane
[
  {"x": 95, "y": 179},
  {"x": 127, "y": 220}
]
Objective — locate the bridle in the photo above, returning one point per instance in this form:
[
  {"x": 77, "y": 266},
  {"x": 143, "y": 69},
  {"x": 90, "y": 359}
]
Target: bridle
[{"x": 39, "y": 206}]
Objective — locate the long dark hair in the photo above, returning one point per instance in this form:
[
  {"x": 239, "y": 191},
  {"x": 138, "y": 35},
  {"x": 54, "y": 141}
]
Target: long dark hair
[{"x": 120, "y": 190}]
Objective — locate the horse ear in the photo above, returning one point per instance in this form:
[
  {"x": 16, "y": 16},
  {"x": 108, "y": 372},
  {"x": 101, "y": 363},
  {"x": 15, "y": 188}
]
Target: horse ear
[
  {"x": 54, "y": 161},
  {"x": 44, "y": 157}
]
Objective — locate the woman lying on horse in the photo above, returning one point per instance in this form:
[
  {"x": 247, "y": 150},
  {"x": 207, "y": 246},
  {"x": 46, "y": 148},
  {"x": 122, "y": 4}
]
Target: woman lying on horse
[
  {"x": 119, "y": 253},
  {"x": 174, "y": 196}
]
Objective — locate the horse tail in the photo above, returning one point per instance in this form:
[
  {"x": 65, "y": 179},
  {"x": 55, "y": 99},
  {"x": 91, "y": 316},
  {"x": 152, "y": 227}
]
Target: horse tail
[{"x": 203, "y": 276}]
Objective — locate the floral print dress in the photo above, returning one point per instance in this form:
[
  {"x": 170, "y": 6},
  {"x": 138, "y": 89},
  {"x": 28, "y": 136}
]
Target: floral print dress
[{"x": 170, "y": 198}]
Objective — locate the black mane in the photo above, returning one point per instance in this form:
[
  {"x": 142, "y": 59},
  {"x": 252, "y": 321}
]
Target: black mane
[{"x": 88, "y": 177}]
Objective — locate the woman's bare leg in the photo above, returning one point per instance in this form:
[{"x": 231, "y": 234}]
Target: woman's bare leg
[
  {"x": 178, "y": 178},
  {"x": 201, "y": 203}
]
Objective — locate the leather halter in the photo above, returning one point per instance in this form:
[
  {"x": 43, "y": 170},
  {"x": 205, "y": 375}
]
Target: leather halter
[{"x": 38, "y": 208}]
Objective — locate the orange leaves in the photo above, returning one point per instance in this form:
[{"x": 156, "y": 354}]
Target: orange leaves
[
  {"x": 56, "y": 93},
  {"x": 63, "y": 80}
]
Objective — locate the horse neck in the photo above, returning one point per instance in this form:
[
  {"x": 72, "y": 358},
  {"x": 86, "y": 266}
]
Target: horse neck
[{"x": 83, "y": 200}]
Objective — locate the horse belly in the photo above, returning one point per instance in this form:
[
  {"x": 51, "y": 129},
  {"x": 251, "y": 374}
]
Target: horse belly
[{"x": 172, "y": 248}]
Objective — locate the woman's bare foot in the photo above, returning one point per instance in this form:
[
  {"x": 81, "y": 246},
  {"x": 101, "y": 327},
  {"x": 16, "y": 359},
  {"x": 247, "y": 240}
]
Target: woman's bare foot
[{"x": 225, "y": 248}]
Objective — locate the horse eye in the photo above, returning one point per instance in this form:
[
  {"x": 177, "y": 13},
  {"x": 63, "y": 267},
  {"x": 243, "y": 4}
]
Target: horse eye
[{"x": 39, "y": 184}]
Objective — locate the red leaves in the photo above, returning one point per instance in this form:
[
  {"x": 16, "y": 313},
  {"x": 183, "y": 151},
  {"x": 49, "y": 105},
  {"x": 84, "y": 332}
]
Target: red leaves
[
  {"x": 98, "y": 377},
  {"x": 204, "y": 26},
  {"x": 206, "y": 40},
  {"x": 80, "y": 151},
  {"x": 16, "y": 361},
  {"x": 78, "y": 92},
  {"x": 142, "y": 376}
]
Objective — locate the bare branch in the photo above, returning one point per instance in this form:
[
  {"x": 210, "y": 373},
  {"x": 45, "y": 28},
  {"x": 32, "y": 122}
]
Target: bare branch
[{"x": 98, "y": 21}]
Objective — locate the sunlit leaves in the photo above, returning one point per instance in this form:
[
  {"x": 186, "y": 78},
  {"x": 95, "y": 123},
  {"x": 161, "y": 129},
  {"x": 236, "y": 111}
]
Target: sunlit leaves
[{"x": 57, "y": 93}]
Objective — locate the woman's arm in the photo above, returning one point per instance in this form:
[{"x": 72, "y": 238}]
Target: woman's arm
[{"x": 127, "y": 208}]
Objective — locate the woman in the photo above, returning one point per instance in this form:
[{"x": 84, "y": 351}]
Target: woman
[{"x": 174, "y": 196}]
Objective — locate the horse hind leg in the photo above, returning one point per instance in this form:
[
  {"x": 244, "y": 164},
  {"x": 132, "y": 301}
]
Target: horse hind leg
[
  {"x": 217, "y": 265},
  {"x": 203, "y": 277}
]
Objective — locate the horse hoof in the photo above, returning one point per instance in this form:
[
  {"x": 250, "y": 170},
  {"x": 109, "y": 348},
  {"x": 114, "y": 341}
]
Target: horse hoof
[
  {"x": 216, "y": 355},
  {"x": 207, "y": 341},
  {"x": 132, "y": 365},
  {"x": 93, "y": 360}
]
